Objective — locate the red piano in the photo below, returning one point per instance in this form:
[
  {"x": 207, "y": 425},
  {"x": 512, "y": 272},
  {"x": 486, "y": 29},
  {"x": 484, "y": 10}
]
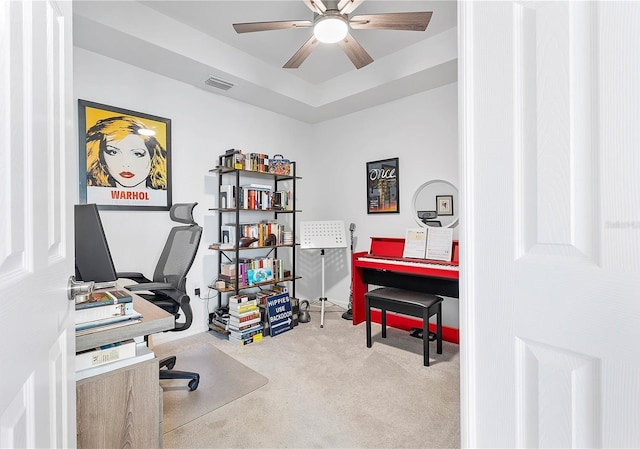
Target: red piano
[{"x": 384, "y": 266}]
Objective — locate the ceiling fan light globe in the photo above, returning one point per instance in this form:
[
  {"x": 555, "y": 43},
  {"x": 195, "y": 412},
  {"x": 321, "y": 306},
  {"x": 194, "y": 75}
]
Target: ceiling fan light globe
[{"x": 330, "y": 30}]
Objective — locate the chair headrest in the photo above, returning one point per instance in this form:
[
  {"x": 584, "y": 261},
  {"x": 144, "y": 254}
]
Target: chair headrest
[{"x": 182, "y": 213}]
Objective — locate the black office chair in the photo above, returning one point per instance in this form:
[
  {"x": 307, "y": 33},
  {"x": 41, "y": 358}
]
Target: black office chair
[{"x": 170, "y": 279}]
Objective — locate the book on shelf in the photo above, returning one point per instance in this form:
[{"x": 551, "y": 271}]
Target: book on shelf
[
  {"x": 243, "y": 318},
  {"x": 238, "y": 324},
  {"x": 218, "y": 245},
  {"x": 257, "y": 186},
  {"x": 231, "y": 157},
  {"x": 244, "y": 326},
  {"x": 228, "y": 270},
  {"x": 238, "y": 160},
  {"x": 257, "y": 162},
  {"x": 105, "y": 354},
  {"x": 107, "y": 321},
  {"x": 242, "y": 307},
  {"x": 267, "y": 232},
  {"x": 239, "y": 298},
  {"x": 287, "y": 238},
  {"x": 246, "y": 341},
  {"x": 263, "y": 295},
  {"x": 258, "y": 275},
  {"x": 104, "y": 298},
  {"x": 246, "y": 332},
  {"x": 255, "y": 198},
  {"x": 142, "y": 353},
  {"x": 100, "y": 313},
  {"x": 282, "y": 200},
  {"x": 243, "y": 314}
]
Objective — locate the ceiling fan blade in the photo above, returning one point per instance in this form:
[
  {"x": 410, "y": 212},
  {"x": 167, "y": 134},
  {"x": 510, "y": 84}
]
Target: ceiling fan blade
[
  {"x": 304, "y": 51},
  {"x": 268, "y": 26},
  {"x": 316, "y": 6},
  {"x": 347, "y": 6},
  {"x": 409, "y": 21},
  {"x": 355, "y": 52}
]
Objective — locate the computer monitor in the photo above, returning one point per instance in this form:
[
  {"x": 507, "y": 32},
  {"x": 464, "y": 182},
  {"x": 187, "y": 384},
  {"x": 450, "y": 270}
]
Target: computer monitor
[{"x": 93, "y": 258}]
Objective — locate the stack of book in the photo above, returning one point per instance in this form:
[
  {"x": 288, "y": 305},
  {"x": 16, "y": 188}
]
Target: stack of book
[
  {"x": 244, "y": 325},
  {"x": 220, "y": 321},
  {"x": 287, "y": 238},
  {"x": 255, "y": 196},
  {"x": 104, "y": 310}
]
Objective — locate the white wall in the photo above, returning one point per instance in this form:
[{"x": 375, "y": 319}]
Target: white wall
[
  {"x": 203, "y": 126},
  {"x": 421, "y": 130}
]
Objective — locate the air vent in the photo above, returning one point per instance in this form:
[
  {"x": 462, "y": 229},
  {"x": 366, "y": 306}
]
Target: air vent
[{"x": 218, "y": 83}]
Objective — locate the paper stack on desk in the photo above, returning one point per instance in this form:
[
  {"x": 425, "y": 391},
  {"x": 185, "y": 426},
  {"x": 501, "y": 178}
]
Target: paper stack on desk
[{"x": 104, "y": 308}]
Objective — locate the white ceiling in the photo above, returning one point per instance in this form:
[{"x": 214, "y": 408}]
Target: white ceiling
[{"x": 191, "y": 40}]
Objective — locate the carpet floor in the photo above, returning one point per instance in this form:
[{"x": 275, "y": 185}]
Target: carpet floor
[{"x": 326, "y": 389}]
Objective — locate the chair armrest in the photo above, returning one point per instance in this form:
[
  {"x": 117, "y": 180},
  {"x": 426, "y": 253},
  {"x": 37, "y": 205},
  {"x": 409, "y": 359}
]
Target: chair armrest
[
  {"x": 129, "y": 274},
  {"x": 149, "y": 286}
]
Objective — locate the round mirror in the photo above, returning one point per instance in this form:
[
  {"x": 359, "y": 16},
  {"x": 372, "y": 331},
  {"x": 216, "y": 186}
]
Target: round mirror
[{"x": 435, "y": 203}]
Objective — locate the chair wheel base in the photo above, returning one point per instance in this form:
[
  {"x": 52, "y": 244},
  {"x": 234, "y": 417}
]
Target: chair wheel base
[{"x": 194, "y": 378}]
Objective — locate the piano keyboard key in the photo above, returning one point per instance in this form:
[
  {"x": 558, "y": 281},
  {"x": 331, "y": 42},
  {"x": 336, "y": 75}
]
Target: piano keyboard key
[{"x": 437, "y": 266}]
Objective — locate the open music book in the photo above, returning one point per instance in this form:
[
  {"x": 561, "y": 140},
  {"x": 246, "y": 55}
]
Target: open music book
[
  {"x": 440, "y": 244},
  {"x": 429, "y": 243},
  {"x": 415, "y": 243}
]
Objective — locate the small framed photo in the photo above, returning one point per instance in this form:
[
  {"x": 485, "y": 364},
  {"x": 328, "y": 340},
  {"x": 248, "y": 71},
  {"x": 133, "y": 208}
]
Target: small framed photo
[{"x": 444, "y": 204}]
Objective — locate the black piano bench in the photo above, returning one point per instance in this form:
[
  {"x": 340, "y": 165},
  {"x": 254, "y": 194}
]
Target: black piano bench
[{"x": 407, "y": 302}]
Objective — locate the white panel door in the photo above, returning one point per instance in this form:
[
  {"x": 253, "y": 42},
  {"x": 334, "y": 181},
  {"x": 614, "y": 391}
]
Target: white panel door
[
  {"x": 37, "y": 177},
  {"x": 550, "y": 280}
]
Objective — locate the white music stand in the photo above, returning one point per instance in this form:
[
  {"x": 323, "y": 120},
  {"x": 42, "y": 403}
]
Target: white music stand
[{"x": 322, "y": 235}]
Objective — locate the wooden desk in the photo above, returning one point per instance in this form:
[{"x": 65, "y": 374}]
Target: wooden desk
[{"x": 122, "y": 407}]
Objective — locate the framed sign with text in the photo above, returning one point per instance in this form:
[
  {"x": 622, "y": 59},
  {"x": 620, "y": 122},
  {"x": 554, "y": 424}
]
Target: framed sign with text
[
  {"x": 383, "y": 187},
  {"x": 125, "y": 158}
]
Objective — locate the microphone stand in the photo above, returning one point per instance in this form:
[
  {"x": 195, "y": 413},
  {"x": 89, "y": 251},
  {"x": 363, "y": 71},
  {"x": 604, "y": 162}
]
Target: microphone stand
[{"x": 348, "y": 315}]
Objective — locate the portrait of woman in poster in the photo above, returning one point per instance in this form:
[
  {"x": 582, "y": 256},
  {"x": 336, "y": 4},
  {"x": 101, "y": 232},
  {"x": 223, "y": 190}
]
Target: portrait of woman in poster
[{"x": 124, "y": 158}]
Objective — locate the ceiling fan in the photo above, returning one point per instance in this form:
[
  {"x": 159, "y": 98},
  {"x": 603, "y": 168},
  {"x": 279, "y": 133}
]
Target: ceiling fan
[{"x": 331, "y": 24}]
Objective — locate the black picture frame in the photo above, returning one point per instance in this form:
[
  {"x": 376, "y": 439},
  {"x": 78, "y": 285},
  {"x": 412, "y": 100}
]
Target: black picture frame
[
  {"x": 142, "y": 153},
  {"x": 383, "y": 186}
]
